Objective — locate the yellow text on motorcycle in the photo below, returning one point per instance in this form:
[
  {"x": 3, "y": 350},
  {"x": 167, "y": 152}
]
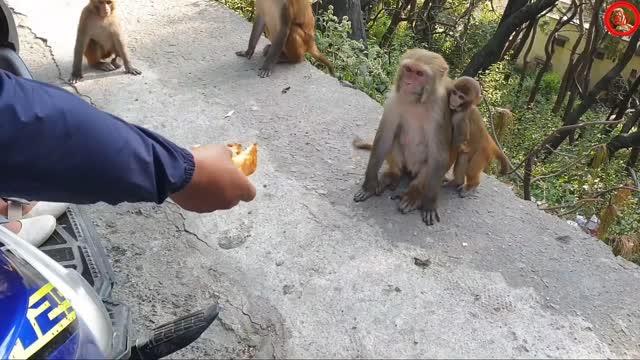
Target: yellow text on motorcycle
[{"x": 49, "y": 313}]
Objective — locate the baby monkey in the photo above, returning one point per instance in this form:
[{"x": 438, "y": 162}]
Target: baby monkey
[
  {"x": 464, "y": 94},
  {"x": 99, "y": 37},
  {"x": 472, "y": 147}
]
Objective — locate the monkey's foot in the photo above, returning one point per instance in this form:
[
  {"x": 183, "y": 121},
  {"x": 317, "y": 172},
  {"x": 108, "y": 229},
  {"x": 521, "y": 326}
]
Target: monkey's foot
[
  {"x": 411, "y": 200},
  {"x": 116, "y": 64},
  {"x": 75, "y": 78},
  {"x": 429, "y": 215},
  {"x": 362, "y": 195},
  {"x": 246, "y": 54},
  {"x": 464, "y": 191},
  {"x": 105, "y": 66},
  {"x": 133, "y": 71},
  {"x": 264, "y": 72}
]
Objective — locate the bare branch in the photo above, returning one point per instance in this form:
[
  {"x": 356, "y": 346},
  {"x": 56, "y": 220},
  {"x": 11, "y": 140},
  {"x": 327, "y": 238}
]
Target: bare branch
[{"x": 545, "y": 142}]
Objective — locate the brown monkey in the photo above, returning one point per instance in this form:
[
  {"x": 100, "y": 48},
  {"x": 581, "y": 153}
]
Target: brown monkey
[
  {"x": 99, "y": 37},
  {"x": 290, "y": 25},
  {"x": 414, "y": 135},
  {"x": 474, "y": 154},
  {"x": 464, "y": 93}
]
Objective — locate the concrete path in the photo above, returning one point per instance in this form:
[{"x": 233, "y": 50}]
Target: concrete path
[{"x": 303, "y": 271}]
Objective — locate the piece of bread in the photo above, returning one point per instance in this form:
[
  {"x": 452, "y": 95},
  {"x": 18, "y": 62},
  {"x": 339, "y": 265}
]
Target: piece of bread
[{"x": 247, "y": 160}]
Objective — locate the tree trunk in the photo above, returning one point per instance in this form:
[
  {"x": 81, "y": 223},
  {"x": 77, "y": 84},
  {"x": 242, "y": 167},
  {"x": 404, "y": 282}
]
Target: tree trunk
[
  {"x": 490, "y": 53},
  {"x": 352, "y": 10},
  {"x": 567, "y": 79},
  {"x": 621, "y": 108},
  {"x": 512, "y": 42},
  {"x": 526, "y": 181},
  {"x": 631, "y": 122},
  {"x": 549, "y": 48},
  {"x": 525, "y": 57},
  {"x": 425, "y": 24},
  {"x": 396, "y": 18},
  {"x": 531, "y": 25},
  {"x": 585, "y": 74},
  {"x": 512, "y": 7},
  {"x": 591, "y": 96},
  {"x": 623, "y": 142},
  {"x": 586, "y": 58},
  {"x": 633, "y": 157}
]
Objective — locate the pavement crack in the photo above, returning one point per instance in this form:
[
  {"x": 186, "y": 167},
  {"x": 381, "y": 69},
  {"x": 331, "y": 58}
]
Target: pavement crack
[
  {"x": 184, "y": 224},
  {"x": 184, "y": 228},
  {"x": 45, "y": 42},
  {"x": 241, "y": 309},
  {"x": 314, "y": 217}
]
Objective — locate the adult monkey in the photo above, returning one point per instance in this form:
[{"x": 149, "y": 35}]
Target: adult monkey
[
  {"x": 414, "y": 135},
  {"x": 291, "y": 27}
]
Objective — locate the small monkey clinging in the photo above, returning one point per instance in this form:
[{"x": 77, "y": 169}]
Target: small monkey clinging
[
  {"x": 98, "y": 38},
  {"x": 291, "y": 28},
  {"x": 473, "y": 147}
]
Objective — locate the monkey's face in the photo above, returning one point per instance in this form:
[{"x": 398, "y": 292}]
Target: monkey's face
[
  {"x": 457, "y": 98},
  {"x": 103, "y": 7},
  {"x": 414, "y": 79}
]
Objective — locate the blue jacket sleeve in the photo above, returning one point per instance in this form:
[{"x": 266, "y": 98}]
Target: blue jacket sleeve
[{"x": 57, "y": 147}]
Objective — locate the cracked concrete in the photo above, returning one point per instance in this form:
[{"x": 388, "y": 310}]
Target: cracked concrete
[{"x": 304, "y": 272}]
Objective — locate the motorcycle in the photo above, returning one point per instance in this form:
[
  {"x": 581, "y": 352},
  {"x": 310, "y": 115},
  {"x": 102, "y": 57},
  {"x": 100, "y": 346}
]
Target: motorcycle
[{"x": 55, "y": 300}]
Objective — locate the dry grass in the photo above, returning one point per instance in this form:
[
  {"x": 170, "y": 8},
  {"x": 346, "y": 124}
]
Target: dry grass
[{"x": 627, "y": 246}]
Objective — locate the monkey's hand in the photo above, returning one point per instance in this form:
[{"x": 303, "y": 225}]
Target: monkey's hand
[
  {"x": 131, "y": 70},
  {"x": 247, "y": 53},
  {"x": 410, "y": 200},
  {"x": 369, "y": 189},
  {"x": 428, "y": 215},
  {"x": 75, "y": 77}
]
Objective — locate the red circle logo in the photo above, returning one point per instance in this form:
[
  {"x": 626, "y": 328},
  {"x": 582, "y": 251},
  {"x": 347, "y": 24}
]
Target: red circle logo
[{"x": 618, "y": 21}]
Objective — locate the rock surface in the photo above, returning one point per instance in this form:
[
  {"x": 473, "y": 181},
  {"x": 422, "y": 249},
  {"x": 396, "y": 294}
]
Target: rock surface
[{"x": 303, "y": 271}]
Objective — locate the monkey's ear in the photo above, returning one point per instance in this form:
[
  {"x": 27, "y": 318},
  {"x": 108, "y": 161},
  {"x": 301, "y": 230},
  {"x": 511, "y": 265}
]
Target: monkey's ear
[{"x": 478, "y": 100}]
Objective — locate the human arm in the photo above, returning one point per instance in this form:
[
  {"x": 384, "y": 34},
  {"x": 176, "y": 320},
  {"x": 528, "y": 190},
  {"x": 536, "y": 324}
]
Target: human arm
[{"x": 57, "y": 147}]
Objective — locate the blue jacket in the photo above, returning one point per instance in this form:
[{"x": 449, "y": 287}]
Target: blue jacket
[{"x": 54, "y": 146}]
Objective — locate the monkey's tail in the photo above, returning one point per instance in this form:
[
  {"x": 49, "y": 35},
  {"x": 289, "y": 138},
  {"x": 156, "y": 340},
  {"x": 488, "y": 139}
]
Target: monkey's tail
[
  {"x": 321, "y": 58},
  {"x": 358, "y": 143},
  {"x": 502, "y": 158}
]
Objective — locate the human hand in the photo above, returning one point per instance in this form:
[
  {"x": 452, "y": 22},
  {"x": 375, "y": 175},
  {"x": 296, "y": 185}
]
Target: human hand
[{"x": 216, "y": 183}]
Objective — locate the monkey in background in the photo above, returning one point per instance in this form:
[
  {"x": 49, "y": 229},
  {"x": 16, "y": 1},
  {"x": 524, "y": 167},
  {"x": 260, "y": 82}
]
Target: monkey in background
[
  {"x": 476, "y": 148},
  {"x": 98, "y": 38},
  {"x": 290, "y": 25},
  {"x": 414, "y": 135}
]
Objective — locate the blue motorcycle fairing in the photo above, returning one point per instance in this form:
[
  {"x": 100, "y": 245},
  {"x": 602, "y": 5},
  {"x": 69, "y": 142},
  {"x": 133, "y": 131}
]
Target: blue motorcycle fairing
[
  {"x": 14, "y": 301},
  {"x": 35, "y": 318}
]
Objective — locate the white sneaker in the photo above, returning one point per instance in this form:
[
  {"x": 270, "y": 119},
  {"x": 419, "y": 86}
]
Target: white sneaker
[
  {"x": 46, "y": 208},
  {"x": 36, "y": 230}
]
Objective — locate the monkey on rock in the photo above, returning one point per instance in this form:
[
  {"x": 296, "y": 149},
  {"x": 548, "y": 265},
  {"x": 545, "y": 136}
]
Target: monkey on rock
[
  {"x": 290, "y": 25},
  {"x": 414, "y": 135}
]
